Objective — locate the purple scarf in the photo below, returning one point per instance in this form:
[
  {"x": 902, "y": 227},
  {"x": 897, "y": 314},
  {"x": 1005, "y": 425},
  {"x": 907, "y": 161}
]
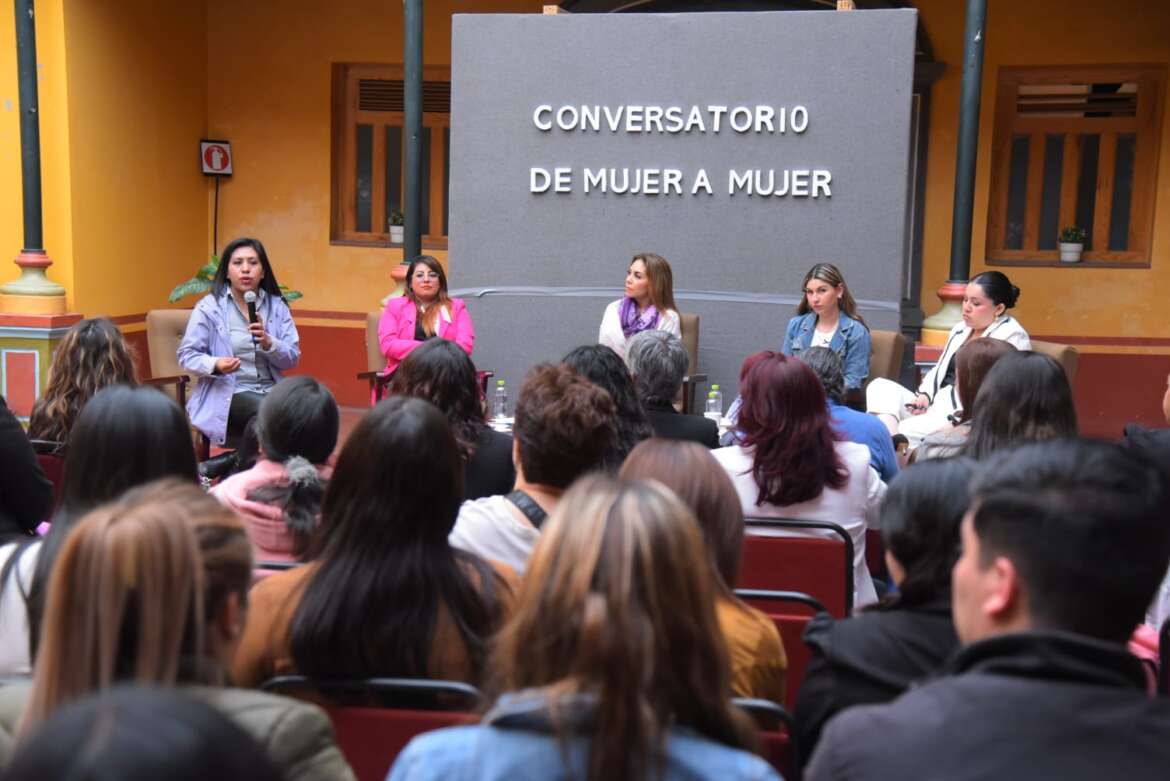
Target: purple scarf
[{"x": 632, "y": 322}]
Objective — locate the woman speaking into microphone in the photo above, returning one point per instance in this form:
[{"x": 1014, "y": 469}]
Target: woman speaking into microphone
[{"x": 239, "y": 341}]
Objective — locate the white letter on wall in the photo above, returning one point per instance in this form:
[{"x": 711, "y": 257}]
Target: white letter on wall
[
  {"x": 547, "y": 124},
  {"x": 821, "y": 179},
  {"x": 538, "y": 180},
  {"x": 564, "y": 180},
  {"x": 701, "y": 183}
]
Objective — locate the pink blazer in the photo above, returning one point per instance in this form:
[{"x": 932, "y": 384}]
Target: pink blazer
[{"x": 396, "y": 329}]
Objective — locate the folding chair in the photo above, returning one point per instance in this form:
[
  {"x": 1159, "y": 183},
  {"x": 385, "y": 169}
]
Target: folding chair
[
  {"x": 818, "y": 562},
  {"x": 388, "y": 713},
  {"x": 790, "y": 611},
  {"x": 775, "y": 723}
]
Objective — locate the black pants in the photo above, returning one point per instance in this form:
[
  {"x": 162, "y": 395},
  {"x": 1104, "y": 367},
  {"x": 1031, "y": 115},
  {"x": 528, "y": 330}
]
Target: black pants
[{"x": 244, "y": 407}]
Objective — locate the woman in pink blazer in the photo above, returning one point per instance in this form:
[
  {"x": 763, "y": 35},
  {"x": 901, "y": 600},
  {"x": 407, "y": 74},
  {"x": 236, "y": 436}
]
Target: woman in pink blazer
[{"x": 424, "y": 312}]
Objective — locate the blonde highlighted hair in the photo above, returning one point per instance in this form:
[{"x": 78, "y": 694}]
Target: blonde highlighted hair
[
  {"x": 91, "y": 355},
  {"x": 618, "y": 602},
  {"x": 661, "y": 280},
  {"x": 131, "y": 593}
]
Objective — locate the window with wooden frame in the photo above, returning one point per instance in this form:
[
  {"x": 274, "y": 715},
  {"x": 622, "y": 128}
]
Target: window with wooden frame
[
  {"x": 1075, "y": 146},
  {"x": 369, "y": 153}
]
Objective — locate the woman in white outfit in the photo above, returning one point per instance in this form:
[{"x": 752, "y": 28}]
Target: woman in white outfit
[
  {"x": 914, "y": 415},
  {"x": 648, "y": 304}
]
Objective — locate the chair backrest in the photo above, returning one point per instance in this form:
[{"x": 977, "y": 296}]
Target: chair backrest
[
  {"x": 885, "y": 357},
  {"x": 371, "y": 734},
  {"x": 790, "y": 611},
  {"x": 375, "y": 361},
  {"x": 1065, "y": 354},
  {"x": 164, "y": 331},
  {"x": 51, "y": 457},
  {"x": 819, "y": 562},
  {"x": 689, "y": 326},
  {"x": 875, "y": 553},
  {"x": 777, "y": 745}
]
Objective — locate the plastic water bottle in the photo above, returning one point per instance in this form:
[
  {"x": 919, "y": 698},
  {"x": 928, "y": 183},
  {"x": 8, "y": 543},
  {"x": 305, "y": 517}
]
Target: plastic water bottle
[
  {"x": 718, "y": 398},
  {"x": 500, "y": 401},
  {"x": 714, "y": 406}
]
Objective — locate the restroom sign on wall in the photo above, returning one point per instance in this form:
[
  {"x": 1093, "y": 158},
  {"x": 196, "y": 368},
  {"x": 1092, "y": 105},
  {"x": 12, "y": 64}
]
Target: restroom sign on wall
[{"x": 216, "y": 157}]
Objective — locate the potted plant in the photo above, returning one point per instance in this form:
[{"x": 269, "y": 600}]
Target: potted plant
[
  {"x": 396, "y": 217},
  {"x": 1072, "y": 244},
  {"x": 201, "y": 283}
]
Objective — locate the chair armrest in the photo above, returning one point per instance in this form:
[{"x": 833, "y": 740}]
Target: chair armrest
[
  {"x": 377, "y": 381},
  {"x": 180, "y": 381},
  {"x": 690, "y": 383}
]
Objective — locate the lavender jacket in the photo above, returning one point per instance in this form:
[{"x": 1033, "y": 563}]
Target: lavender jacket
[{"x": 208, "y": 338}]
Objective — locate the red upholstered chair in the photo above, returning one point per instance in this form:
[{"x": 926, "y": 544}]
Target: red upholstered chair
[
  {"x": 790, "y": 611},
  {"x": 776, "y": 729},
  {"x": 51, "y": 457},
  {"x": 875, "y": 553},
  {"x": 819, "y": 562},
  {"x": 374, "y": 719}
]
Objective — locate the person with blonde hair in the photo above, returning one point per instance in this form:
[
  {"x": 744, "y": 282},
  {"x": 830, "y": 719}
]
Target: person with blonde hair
[
  {"x": 152, "y": 589},
  {"x": 647, "y": 305},
  {"x": 91, "y": 355},
  {"x": 613, "y": 666},
  {"x": 827, "y": 317}
]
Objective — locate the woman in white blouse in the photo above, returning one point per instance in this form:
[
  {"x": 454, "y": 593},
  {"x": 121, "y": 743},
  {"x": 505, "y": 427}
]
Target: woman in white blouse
[{"x": 648, "y": 304}]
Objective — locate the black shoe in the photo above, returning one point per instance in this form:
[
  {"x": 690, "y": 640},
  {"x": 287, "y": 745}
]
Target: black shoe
[{"x": 218, "y": 466}]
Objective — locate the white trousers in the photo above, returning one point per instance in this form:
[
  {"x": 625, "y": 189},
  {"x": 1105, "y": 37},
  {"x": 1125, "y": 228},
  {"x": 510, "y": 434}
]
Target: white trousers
[{"x": 886, "y": 397}]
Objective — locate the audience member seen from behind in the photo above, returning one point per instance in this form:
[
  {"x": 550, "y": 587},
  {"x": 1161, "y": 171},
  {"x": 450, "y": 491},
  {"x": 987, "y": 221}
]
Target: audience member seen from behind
[
  {"x": 152, "y": 589},
  {"x": 602, "y": 366},
  {"x": 758, "y": 663},
  {"x": 441, "y": 373},
  {"x": 123, "y": 437},
  {"x": 26, "y": 495},
  {"x": 614, "y": 665},
  {"x": 972, "y": 363},
  {"x": 985, "y": 303},
  {"x": 1025, "y": 398},
  {"x": 236, "y": 361},
  {"x": 648, "y": 304},
  {"x": 827, "y": 317},
  {"x": 425, "y": 311},
  {"x": 850, "y": 424},
  {"x": 658, "y": 362},
  {"x": 91, "y": 355},
  {"x": 280, "y": 497},
  {"x": 385, "y": 594},
  {"x": 876, "y": 655},
  {"x": 188, "y": 741},
  {"x": 564, "y": 426},
  {"x": 1062, "y": 549},
  {"x": 789, "y": 463}
]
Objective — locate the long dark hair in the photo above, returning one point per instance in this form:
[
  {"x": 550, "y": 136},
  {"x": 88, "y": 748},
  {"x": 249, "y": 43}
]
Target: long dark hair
[
  {"x": 920, "y": 526},
  {"x": 439, "y": 371},
  {"x": 430, "y": 318},
  {"x": 602, "y": 366},
  {"x": 385, "y": 568},
  {"x": 123, "y": 437},
  {"x": 784, "y": 420},
  {"x": 268, "y": 284},
  {"x": 1024, "y": 398},
  {"x": 297, "y": 419},
  {"x": 972, "y": 363}
]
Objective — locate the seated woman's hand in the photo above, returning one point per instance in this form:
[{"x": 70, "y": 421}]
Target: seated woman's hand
[
  {"x": 920, "y": 404},
  {"x": 226, "y": 365}
]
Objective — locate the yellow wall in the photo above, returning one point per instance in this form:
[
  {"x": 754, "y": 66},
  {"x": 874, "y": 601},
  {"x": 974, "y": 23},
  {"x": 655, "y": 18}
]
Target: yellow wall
[
  {"x": 1054, "y": 301},
  {"x": 269, "y": 71}
]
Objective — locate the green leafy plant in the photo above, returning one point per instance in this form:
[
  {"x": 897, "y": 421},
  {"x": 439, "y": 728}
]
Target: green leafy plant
[
  {"x": 396, "y": 217},
  {"x": 1073, "y": 234},
  {"x": 201, "y": 283}
]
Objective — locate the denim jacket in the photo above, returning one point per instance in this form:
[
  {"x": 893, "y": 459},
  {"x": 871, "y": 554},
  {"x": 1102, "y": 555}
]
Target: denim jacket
[
  {"x": 851, "y": 342},
  {"x": 515, "y": 741},
  {"x": 208, "y": 337}
]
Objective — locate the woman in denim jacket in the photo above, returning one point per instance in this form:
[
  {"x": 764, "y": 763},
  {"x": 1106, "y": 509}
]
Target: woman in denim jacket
[
  {"x": 237, "y": 362},
  {"x": 613, "y": 666},
  {"x": 827, "y": 317}
]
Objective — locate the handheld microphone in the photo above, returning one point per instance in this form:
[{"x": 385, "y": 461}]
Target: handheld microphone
[{"x": 250, "y": 300}]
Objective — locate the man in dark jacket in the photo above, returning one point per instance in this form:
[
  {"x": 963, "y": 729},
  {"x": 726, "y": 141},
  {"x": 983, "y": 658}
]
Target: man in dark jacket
[
  {"x": 25, "y": 493},
  {"x": 1063, "y": 548},
  {"x": 659, "y": 361}
]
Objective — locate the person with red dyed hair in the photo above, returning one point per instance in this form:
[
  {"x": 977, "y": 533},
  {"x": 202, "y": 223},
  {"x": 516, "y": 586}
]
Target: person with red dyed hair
[{"x": 788, "y": 462}]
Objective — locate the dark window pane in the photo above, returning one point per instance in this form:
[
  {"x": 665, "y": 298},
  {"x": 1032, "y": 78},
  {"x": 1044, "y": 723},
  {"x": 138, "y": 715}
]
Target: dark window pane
[
  {"x": 1122, "y": 192},
  {"x": 446, "y": 179},
  {"x": 393, "y": 170},
  {"x": 365, "y": 177},
  {"x": 425, "y": 214},
  {"x": 1050, "y": 202},
  {"x": 1013, "y": 232},
  {"x": 1087, "y": 185}
]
